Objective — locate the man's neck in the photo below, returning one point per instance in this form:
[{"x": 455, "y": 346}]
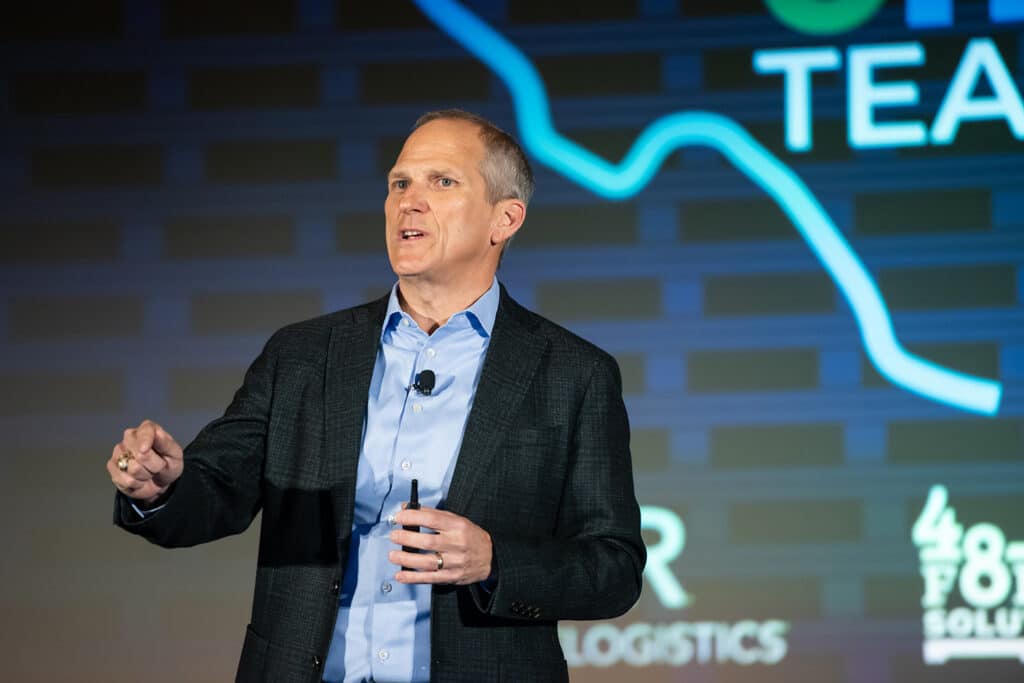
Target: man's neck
[{"x": 431, "y": 305}]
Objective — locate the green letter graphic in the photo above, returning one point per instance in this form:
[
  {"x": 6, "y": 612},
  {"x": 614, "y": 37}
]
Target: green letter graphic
[{"x": 823, "y": 17}]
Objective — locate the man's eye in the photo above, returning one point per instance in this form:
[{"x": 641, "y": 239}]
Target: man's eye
[
  {"x": 446, "y": 182},
  {"x": 399, "y": 184}
]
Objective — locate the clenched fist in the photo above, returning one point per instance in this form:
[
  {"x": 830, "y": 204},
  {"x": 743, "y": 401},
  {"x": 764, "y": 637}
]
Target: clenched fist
[{"x": 146, "y": 462}]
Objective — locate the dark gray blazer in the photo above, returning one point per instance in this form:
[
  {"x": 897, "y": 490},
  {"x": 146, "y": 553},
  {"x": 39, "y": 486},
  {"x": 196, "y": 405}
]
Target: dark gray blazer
[{"x": 544, "y": 467}]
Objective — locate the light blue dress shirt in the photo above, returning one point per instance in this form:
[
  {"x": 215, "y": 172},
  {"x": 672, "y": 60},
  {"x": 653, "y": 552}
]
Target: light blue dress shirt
[{"x": 383, "y": 629}]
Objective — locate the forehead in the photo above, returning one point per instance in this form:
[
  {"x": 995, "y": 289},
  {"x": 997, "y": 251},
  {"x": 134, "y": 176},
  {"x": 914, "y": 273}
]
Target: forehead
[{"x": 451, "y": 142}]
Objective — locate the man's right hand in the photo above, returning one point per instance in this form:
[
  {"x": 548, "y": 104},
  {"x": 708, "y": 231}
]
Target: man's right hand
[{"x": 146, "y": 462}]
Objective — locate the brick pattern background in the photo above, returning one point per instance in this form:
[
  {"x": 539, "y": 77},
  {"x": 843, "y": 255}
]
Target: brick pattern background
[{"x": 180, "y": 178}]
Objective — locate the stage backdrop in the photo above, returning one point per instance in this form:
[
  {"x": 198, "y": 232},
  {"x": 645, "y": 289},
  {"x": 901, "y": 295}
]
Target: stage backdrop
[{"x": 797, "y": 225}]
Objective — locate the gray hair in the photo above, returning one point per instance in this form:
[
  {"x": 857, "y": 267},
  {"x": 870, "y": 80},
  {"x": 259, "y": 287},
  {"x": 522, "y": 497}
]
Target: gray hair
[{"x": 505, "y": 168}]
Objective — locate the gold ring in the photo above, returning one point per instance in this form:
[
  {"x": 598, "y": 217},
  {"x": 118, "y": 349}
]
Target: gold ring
[
  {"x": 440, "y": 561},
  {"x": 122, "y": 462}
]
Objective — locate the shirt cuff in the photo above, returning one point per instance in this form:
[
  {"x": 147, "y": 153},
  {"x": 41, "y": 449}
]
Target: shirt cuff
[{"x": 146, "y": 513}]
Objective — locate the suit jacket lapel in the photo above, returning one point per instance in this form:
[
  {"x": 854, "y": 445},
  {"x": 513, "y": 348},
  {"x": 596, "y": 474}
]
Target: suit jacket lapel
[
  {"x": 350, "y": 361},
  {"x": 512, "y": 358}
]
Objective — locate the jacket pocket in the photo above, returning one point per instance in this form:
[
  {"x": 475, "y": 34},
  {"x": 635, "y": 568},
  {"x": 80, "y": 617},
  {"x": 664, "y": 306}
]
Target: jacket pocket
[{"x": 254, "y": 654}]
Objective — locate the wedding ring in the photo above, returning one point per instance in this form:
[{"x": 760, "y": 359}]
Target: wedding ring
[{"x": 440, "y": 561}]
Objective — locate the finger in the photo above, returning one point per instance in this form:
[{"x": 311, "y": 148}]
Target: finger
[
  {"x": 131, "y": 478},
  {"x": 417, "y": 539},
  {"x": 144, "y": 435},
  {"x": 432, "y": 518},
  {"x": 151, "y": 461},
  {"x": 424, "y": 562},
  {"x": 124, "y": 454},
  {"x": 113, "y": 471},
  {"x": 124, "y": 483},
  {"x": 443, "y": 576},
  {"x": 164, "y": 443},
  {"x": 137, "y": 471},
  {"x": 133, "y": 465},
  {"x": 134, "y": 489}
]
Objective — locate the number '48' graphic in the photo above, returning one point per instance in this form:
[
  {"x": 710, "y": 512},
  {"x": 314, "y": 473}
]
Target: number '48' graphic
[{"x": 985, "y": 578}]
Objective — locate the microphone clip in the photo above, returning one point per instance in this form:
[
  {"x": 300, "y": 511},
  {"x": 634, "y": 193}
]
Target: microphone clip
[{"x": 424, "y": 383}]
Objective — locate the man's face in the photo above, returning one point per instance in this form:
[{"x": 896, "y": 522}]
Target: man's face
[{"x": 439, "y": 220}]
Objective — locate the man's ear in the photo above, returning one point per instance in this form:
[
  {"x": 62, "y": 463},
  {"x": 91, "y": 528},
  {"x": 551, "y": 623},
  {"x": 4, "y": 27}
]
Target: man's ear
[{"x": 509, "y": 215}]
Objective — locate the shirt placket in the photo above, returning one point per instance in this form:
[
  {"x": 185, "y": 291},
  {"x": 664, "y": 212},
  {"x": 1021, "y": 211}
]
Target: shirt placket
[{"x": 402, "y": 464}]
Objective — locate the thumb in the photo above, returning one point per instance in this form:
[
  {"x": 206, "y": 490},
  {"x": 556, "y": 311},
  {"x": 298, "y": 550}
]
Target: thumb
[
  {"x": 144, "y": 435},
  {"x": 164, "y": 443}
]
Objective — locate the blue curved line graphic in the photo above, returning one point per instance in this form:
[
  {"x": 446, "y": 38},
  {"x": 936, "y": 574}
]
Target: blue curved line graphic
[{"x": 664, "y": 136}]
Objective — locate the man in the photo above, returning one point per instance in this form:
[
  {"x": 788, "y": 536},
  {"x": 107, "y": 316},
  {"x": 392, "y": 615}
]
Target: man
[{"x": 519, "y": 447}]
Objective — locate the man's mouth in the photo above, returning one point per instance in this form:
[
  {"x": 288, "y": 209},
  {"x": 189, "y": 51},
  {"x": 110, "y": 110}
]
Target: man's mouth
[{"x": 410, "y": 234}]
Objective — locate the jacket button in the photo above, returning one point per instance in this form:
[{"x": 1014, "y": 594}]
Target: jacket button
[{"x": 335, "y": 587}]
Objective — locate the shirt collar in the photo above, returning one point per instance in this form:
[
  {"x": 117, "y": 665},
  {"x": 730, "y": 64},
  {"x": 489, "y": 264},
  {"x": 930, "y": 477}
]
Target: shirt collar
[{"x": 481, "y": 314}]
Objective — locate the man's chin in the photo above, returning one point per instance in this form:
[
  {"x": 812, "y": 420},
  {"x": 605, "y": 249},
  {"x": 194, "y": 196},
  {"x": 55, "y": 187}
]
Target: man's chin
[
  {"x": 411, "y": 276},
  {"x": 403, "y": 267},
  {"x": 406, "y": 270}
]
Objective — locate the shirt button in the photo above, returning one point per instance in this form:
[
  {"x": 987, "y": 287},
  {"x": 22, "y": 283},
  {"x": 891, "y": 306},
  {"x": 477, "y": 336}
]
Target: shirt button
[
  {"x": 405, "y": 322},
  {"x": 431, "y": 353},
  {"x": 406, "y": 465},
  {"x": 391, "y": 520},
  {"x": 383, "y": 655},
  {"x": 417, "y": 407},
  {"x": 385, "y": 587}
]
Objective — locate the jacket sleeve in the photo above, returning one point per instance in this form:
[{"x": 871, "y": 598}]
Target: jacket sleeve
[
  {"x": 219, "y": 491},
  {"x": 592, "y": 566}
]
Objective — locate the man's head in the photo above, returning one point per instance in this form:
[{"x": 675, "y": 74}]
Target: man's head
[
  {"x": 456, "y": 194},
  {"x": 505, "y": 167}
]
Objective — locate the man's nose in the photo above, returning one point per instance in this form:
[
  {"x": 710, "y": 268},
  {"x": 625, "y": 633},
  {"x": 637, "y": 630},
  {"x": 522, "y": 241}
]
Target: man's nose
[{"x": 412, "y": 199}]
